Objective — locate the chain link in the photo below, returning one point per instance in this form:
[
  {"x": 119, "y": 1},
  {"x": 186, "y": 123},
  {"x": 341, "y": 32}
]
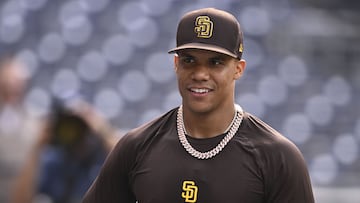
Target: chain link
[{"x": 213, "y": 152}]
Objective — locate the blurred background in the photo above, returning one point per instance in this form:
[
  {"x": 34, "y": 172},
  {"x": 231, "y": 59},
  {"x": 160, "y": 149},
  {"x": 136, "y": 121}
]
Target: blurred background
[{"x": 303, "y": 73}]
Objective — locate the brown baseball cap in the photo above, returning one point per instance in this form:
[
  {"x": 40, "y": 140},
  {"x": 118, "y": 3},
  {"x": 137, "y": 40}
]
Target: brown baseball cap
[{"x": 210, "y": 29}]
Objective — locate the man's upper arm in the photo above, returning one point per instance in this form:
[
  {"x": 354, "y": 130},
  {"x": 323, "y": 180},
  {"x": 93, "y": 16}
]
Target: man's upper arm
[
  {"x": 287, "y": 177},
  {"x": 112, "y": 184}
]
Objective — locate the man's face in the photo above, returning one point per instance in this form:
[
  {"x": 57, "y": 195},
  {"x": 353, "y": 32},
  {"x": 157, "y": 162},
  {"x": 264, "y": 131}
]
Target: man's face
[
  {"x": 206, "y": 79},
  {"x": 13, "y": 80}
]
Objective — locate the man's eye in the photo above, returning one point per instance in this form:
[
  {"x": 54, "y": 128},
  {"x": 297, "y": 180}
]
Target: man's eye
[
  {"x": 216, "y": 62},
  {"x": 188, "y": 60}
]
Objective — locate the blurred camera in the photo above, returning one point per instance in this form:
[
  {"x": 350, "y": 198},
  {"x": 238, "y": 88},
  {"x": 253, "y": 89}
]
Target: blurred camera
[{"x": 68, "y": 129}]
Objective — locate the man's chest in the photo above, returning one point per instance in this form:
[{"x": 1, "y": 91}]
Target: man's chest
[{"x": 169, "y": 174}]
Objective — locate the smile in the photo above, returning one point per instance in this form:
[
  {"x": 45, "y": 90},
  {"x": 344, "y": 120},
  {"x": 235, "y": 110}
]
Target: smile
[{"x": 200, "y": 90}]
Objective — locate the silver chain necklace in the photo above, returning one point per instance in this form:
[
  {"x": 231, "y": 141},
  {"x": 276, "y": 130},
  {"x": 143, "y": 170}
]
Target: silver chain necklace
[{"x": 211, "y": 153}]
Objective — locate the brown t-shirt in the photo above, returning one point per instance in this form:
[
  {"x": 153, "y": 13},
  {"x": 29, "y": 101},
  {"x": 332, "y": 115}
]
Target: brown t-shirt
[{"x": 149, "y": 165}]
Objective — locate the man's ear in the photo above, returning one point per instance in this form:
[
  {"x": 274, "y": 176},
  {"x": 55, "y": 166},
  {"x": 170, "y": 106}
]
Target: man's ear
[
  {"x": 176, "y": 62},
  {"x": 240, "y": 68}
]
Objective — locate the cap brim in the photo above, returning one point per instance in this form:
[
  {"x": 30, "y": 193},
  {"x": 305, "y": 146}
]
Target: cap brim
[{"x": 201, "y": 46}]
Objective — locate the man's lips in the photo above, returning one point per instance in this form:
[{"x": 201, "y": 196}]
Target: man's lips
[{"x": 200, "y": 90}]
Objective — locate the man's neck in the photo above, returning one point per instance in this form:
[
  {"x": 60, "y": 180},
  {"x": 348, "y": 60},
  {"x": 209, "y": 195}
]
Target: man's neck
[{"x": 207, "y": 125}]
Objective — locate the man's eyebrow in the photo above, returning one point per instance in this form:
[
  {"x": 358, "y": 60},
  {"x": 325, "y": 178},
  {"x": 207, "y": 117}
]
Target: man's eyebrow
[
  {"x": 220, "y": 57},
  {"x": 181, "y": 54},
  {"x": 217, "y": 56}
]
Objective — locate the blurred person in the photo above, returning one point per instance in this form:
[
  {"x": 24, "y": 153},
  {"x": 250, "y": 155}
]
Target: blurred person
[
  {"x": 18, "y": 128},
  {"x": 65, "y": 159},
  {"x": 208, "y": 149}
]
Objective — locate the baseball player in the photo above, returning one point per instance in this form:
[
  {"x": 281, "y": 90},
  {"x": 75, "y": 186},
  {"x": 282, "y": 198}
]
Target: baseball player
[{"x": 208, "y": 149}]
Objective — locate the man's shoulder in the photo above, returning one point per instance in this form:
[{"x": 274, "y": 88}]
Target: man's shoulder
[
  {"x": 270, "y": 147},
  {"x": 151, "y": 127},
  {"x": 262, "y": 135},
  {"x": 138, "y": 140}
]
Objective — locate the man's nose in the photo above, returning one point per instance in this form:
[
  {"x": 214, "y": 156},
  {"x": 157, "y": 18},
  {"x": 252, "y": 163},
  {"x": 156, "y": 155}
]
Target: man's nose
[{"x": 200, "y": 73}]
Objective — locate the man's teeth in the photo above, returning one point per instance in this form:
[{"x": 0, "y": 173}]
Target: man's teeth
[{"x": 200, "y": 90}]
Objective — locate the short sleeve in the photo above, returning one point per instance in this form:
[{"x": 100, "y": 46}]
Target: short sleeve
[
  {"x": 112, "y": 184},
  {"x": 286, "y": 175}
]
